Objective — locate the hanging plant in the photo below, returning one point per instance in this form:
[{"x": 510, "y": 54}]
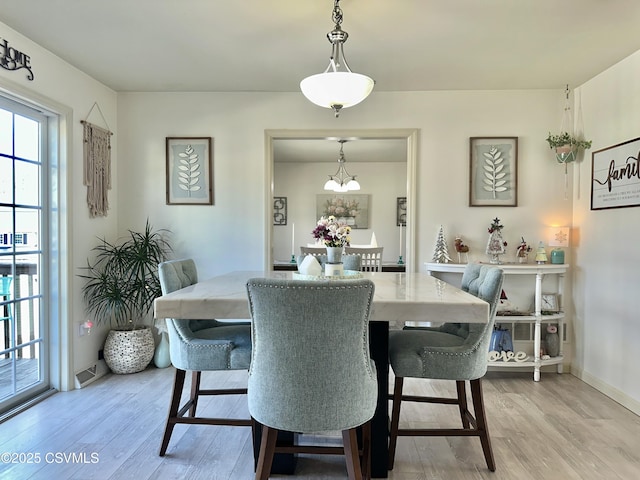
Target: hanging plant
[{"x": 566, "y": 146}]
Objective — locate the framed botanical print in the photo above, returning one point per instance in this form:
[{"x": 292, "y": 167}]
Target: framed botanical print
[
  {"x": 493, "y": 171},
  {"x": 189, "y": 173}
]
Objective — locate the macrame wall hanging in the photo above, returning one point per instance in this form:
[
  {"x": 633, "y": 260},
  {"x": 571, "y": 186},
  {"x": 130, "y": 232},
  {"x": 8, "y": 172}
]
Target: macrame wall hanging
[{"x": 97, "y": 165}]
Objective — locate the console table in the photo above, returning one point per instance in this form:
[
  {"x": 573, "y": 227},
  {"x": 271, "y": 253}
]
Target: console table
[{"x": 540, "y": 315}]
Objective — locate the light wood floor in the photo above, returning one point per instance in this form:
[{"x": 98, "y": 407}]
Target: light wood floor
[{"x": 558, "y": 428}]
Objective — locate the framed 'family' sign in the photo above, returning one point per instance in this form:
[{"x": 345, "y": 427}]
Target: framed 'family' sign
[{"x": 615, "y": 176}]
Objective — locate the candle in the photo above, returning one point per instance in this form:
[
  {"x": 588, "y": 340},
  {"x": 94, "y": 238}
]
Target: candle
[
  {"x": 293, "y": 239},
  {"x": 400, "y": 247}
]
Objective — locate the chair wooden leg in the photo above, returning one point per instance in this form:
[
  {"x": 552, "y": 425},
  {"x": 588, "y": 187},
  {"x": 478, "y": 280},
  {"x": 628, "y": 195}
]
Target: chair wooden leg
[
  {"x": 481, "y": 419},
  {"x": 178, "y": 385},
  {"x": 352, "y": 456},
  {"x": 267, "y": 450},
  {"x": 395, "y": 420},
  {"x": 462, "y": 403},
  {"x": 195, "y": 391}
]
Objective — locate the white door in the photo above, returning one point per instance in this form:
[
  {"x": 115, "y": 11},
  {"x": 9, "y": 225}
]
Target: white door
[{"x": 24, "y": 369}]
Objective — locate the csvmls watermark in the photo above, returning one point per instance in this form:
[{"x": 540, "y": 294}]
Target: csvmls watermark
[{"x": 49, "y": 457}]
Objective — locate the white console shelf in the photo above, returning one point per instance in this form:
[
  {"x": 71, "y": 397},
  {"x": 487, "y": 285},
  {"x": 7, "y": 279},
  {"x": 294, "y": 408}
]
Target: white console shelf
[{"x": 538, "y": 316}]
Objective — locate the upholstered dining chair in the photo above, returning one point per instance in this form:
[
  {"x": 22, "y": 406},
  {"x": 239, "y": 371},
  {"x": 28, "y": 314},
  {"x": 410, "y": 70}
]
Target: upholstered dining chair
[
  {"x": 310, "y": 367},
  {"x": 197, "y": 346},
  {"x": 313, "y": 251},
  {"x": 452, "y": 351},
  {"x": 371, "y": 257},
  {"x": 349, "y": 261}
]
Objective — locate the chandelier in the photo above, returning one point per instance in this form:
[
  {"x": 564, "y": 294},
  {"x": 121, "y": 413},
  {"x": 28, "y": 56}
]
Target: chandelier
[
  {"x": 338, "y": 87},
  {"x": 342, "y": 181}
]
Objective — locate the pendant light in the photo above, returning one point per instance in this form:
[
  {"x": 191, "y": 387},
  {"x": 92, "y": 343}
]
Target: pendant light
[
  {"x": 342, "y": 181},
  {"x": 337, "y": 87}
]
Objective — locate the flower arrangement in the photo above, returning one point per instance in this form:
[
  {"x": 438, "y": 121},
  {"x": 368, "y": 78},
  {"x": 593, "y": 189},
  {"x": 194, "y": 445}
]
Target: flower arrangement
[
  {"x": 332, "y": 232},
  {"x": 523, "y": 249},
  {"x": 552, "y": 329},
  {"x": 339, "y": 207}
]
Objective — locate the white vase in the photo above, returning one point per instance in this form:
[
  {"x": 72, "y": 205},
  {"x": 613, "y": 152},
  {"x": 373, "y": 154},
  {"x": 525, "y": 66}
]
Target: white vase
[
  {"x": 161, "y": 358},
  {"x": 334, "y": 254},
  {"x": 553, "y": 344}
]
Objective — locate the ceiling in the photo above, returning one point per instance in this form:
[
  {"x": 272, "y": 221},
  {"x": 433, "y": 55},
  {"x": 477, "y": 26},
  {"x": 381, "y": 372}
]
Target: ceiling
[
  {"x": 270, "y": 45},
  {"x": 328, "y": 149}
]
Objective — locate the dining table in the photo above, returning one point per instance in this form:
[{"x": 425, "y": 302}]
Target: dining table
[{"x": 400, "y": 298}]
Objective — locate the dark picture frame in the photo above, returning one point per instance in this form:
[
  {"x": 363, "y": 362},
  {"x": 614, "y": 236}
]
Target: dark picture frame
[
  {"x": 615, "y": 181},
  {"x": 189, "y": 171},
  {"x": 279, "y": 211},
  {"x": 493, "y": 171},
  {"x": 401, "y": 212}
]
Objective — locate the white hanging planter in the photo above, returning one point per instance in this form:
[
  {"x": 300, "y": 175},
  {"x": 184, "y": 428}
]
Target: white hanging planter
[
  {"x": 566, "y": 146},
  {"x": 566, "y": 153}
]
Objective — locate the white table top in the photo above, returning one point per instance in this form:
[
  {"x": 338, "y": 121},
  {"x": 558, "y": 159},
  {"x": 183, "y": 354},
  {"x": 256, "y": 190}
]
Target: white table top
[{"x": 399, "y": 298}]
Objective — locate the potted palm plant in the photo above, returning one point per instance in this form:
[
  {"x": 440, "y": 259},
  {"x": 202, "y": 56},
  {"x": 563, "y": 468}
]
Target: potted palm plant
[
  {"x": 121, "y": 285},
  {"x": 566, "y": 146}
]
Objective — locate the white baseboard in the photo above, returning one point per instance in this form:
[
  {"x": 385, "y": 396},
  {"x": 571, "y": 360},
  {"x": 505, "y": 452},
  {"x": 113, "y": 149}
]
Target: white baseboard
[{"x": 611, "y": 392}]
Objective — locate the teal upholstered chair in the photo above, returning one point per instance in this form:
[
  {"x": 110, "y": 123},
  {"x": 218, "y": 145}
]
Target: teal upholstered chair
[
  {"x": 197, "y": 346},
  {"x": 453, "y": 351},
  {"x": 349, "y": 261},
  {"x": 310, "y": 368}
]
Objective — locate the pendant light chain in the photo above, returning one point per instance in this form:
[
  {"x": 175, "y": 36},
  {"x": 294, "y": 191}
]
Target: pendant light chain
[{"x": 336, "y": 15}]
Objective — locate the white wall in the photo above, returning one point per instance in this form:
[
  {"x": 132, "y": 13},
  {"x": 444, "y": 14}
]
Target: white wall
[
  {"x": 382, "y": 182},
  {"x": 229, "y": 235},
  {"x": 607, "y": 257},
  {"x": 62, "y": 89}
]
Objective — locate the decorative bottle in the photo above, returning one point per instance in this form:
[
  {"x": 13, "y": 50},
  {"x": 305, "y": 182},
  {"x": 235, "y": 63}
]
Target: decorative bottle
[{"x": 552, "y": 340}]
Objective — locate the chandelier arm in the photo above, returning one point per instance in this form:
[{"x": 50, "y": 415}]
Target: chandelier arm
[{"x": 341, "y": 57}]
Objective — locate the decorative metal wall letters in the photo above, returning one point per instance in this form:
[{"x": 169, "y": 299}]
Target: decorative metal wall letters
[{"x": 12, "y": 59}]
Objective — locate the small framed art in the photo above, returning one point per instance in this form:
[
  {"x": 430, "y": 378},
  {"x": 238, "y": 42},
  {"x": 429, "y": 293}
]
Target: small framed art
[
  {"x": 401, "y": 212},
  {"x": 189, "y": 171},
  {"x": 279, "y": 210},
  {"x": 493, "y": 171}
]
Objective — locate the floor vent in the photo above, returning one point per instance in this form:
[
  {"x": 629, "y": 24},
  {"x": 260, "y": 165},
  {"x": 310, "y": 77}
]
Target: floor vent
[{"x": 86, "y": 376}]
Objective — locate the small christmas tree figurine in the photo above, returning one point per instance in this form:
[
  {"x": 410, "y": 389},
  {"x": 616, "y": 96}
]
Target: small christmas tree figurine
[
  {"x": 496, "y": 245},
  {"x": 441, "y": 253}
]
